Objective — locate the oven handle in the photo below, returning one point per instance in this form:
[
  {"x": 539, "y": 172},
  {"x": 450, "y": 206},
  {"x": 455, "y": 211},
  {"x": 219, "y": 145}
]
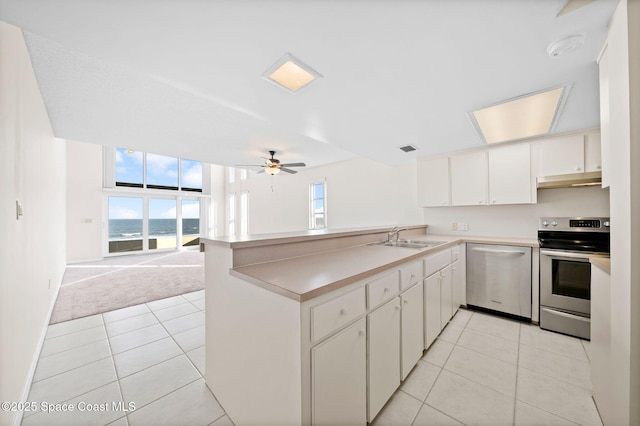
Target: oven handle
[
  {"x": 570, "y": 255},
  {"x": 484, "y": 250},
  {"x": 566, "y": 315}
]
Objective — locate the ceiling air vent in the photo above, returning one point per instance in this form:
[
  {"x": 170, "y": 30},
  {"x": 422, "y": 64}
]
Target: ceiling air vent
[{"x": 408, "y": 148}]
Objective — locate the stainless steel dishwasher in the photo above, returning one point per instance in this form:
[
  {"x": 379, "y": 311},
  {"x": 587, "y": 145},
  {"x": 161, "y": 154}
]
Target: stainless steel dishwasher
[{"x": 499, "y": 278}]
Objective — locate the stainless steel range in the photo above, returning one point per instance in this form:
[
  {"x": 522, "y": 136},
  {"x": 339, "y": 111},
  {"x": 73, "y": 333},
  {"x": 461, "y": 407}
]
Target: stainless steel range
[{"x": 566, "y": 243}]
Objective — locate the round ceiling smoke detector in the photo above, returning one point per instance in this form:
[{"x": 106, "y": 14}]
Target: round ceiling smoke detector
[{"x": 566, "y": 45}]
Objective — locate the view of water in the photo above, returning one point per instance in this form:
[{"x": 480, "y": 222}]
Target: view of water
[{"x": 124, "y": 229}]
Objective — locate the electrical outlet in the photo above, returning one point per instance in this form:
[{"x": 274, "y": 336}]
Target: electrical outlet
[
  {"x": 463, "y": 226},
  {"x": 454, "y": 226}
]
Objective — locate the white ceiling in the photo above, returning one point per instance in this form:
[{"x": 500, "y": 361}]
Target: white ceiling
[{"x": 182, "y": 77}]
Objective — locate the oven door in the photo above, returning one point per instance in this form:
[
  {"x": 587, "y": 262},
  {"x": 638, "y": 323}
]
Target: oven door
[{"x": 565, "y": 280}]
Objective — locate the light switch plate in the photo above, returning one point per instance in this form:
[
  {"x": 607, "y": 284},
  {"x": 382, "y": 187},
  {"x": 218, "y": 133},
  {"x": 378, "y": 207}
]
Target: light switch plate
[{"x": 18, "y": 210}]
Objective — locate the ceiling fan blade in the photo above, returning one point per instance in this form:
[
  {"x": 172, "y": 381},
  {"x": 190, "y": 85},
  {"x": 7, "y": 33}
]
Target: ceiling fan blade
[
  {"x": 294, "y": 165},
  {"x": 260, "y": 171},
  {"x": 288, "y": 170},
  {"x": 248, "y": 165}
]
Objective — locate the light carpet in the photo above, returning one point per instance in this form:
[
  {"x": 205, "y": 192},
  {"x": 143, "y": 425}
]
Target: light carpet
[{"x": 118, "y": 282}]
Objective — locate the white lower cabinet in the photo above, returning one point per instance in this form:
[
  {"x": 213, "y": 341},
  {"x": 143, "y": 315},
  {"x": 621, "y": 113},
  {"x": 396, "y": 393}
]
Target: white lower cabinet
[
  {"x": 412, "y": 328},
  {"x": 446, "y": 297},
  {"x": 383, "y": 336},
  {"x": 431, "y": 309},
  {"x": 356, "y": 368},
  {"x": 458, "y": 284},
  {"x": 442, "y": 295},
  {"x": 339, "y": 378}
]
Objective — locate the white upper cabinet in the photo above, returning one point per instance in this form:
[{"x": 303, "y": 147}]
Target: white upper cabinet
[
  {"x": 433, "y": 182},
  {"x": 560, "y": 156},
  {"x": 592, "y": 153},
  {"x": 510, "y": 174},
  {"x": 469, "y": 183}
]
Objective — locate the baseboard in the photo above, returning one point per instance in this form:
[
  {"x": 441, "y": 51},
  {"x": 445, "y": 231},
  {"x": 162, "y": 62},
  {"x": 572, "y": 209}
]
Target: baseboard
[{"x": 17, "y": 420}]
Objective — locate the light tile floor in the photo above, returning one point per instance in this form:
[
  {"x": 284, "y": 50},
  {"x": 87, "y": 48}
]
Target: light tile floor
[
  {"x": 489, "y": 370},
  {"x": 151, "y": 355},
  {"x": 482, "y": 370}
]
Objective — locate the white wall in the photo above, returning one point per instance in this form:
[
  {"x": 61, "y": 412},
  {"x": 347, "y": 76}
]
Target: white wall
[
  {"x": 216, "y": 211},
  {"x": 624, "y": 97},
  {"x": 84, "y": 201},
  {"x": 32, "y": 249},
  {"x": 360, "y": 192},
  {"x": 519, "y": 220}
]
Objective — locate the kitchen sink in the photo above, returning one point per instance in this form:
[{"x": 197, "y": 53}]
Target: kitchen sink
[{"x": 417, "y": 244}]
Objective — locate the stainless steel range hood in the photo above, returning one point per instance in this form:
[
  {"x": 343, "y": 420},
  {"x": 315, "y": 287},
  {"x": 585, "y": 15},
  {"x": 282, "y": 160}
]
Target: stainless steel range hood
[{"x": 570, "y": 181}]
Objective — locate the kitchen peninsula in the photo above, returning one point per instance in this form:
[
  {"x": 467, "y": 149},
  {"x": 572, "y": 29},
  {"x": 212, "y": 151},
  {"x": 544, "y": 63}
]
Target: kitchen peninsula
[{"x": 304, "y": 328}]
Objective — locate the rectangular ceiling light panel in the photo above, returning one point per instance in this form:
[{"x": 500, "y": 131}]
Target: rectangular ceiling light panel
[
  {"x": 520, "y": 118},
  {"x": 291, "y": 73}
]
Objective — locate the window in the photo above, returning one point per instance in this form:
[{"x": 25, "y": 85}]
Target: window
[
  {"x": 190, "y": 222},
  {"x": 190, "y": 175},
  {"x": 232, "y": 214},
  {"x": 125, "y": 224},
  {"x": 151, "y": 223},
  {"x": 135, "y": 169},
  {"x": 163, "y": 230},
  {"x": 318, "y": 205},
  {"x": 244, "y": 213},
  {"x": 162, "y": 172},
  {"x": 238, "y": 220},
  {"x": 129, "y": 168}
]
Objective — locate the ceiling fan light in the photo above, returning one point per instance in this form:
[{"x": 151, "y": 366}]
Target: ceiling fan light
[{"x": 272, "y": 170}]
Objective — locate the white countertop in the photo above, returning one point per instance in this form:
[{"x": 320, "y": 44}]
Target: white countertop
[
  {"x": 305, "y": 277},
  {"x": 296, "y": 236}
]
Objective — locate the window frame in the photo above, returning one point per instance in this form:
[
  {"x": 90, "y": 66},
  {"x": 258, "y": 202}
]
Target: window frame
[{"x": 312, "y": 201}]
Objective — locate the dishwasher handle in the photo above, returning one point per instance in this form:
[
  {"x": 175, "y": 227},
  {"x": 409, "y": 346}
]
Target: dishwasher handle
[{"x": 494, "y": 251}]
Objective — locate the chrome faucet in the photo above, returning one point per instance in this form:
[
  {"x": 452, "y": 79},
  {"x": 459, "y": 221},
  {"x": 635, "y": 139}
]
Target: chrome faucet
[{"x": 395, "y": 231}]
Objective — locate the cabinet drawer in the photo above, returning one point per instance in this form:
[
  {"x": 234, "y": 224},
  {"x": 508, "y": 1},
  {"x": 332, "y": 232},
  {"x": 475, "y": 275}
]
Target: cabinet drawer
[
  {"x": 382, "y": 289},
  {"x": 332, "y": 315},
  {"x": 411, "y": 274},
  {"x": 437, "y": 261}
]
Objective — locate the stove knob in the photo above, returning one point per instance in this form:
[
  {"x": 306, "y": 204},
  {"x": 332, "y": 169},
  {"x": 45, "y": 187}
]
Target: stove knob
[
  {"x": 606, "y": 224},
  {"x": 554, "y": 223},
  {"x": 545, "y": 223}
]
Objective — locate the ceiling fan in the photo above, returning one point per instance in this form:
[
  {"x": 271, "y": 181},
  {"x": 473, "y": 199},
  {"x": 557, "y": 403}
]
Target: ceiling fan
[{"x": 273, "y": 166}]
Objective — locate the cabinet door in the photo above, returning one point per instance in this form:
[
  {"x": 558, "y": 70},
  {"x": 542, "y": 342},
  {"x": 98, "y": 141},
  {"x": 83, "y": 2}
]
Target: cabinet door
[
  {"x": 433, "y": 182},
  {"x": 446, "y": 296},
  {"x": 458, "y": 283},
  {"x": 383, "y": 336},
  {"x": 592, "y": 153},
  {"x": 432, "y": 309},
  {"x": 560, "y": 156},
  {"x": 339, "y": 378},
  {"x": 600, "y": 353},
  {"x": 412, "y": 328},
  {"x": 469, "y": 179},
  {"x": 510, "y": 174}
]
